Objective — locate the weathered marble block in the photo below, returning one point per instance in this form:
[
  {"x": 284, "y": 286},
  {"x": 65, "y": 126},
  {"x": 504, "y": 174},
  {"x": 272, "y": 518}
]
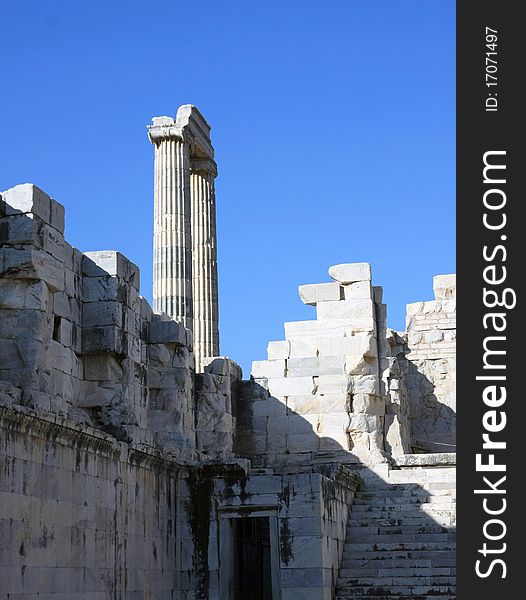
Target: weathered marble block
[{"x": 350, "y": 273}]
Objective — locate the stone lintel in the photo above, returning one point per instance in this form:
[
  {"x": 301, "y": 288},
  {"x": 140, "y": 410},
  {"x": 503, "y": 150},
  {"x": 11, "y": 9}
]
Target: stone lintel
[{"x": 203, "y": 165}]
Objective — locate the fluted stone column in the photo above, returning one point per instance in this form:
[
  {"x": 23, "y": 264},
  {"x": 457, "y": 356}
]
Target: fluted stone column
[
  {"x": 172, "y": 277},
  {"x": 185, "y": 247},
  {"x": 204, "y": 265}
]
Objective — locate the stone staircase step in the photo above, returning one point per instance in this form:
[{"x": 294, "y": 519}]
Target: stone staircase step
[
  {"x": 372, "y": 520},
  {"x": 400, "y": 538},
  {"x": 404, "y": 500},
  {"x": 421, "y": 510},
  {"x": 402, "y": 560},
  {"x": 375, "y": 538},
  {"x": 343, "y": 595},
  {"x": 396, "y": 571},
  {"x": 398, "y": 546},
  {"x": 397, "y": 590},
  {"x": 425, "y": 526}
]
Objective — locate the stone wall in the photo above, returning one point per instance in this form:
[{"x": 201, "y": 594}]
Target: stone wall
[
  {"x": 308, "y": 515},
  {"x": 83, "y": 516},
  {"x": 101, "y": 418},
  {"x": 333, "y": 385},
  {"x": 430, "y": 368},
  {"x": 123, "y": 471}
]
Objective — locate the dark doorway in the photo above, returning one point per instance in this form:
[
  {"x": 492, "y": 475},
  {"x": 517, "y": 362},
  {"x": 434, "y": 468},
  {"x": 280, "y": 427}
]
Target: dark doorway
[{"x": 252, "y": 570}]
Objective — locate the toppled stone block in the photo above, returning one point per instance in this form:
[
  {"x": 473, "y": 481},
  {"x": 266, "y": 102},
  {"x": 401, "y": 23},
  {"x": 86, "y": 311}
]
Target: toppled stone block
[
  {"x": 320, "y": 292},
  {"x": 350, "y": 272}
]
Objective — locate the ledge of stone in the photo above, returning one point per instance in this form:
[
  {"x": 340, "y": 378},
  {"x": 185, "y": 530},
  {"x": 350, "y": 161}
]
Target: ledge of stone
[{"x": 438, "y": 459}]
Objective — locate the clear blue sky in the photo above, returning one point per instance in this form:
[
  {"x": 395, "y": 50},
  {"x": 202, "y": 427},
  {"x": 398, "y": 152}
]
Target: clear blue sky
[{"x": 333, "y": 124}]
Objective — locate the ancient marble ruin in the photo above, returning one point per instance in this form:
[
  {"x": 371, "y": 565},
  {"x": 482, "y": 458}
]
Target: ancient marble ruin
[{"x": 138, "y": 464}]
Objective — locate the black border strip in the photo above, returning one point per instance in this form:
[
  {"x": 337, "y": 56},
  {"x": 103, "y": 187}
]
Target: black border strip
[{"x": 480, "y": 131}]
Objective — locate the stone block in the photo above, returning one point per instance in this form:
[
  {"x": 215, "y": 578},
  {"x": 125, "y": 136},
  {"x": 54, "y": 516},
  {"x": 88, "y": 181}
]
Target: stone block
[
  {"x": 57, "y": 216},
  {"x": 62, "y": 358},
  {"x": 297, "y": 329},
  {"x": 9, "y": 394},
  {"x": 365, "y": 423},
  {"x": 351, "y": 272},
  {"x": 167, "y": 332},
  {"x": 20, "y": 294},
  {"x": 320, "y": 292},
  {"x": 268, "y": 368},
  {"x": 64, "y": 332},
  {"x": 360, "y": 290},
  {"x": 378, "y": 294},
  {"x": 223, "y": 366},
  {"x": 98, "y": 314},
  {"x": 102, "y": 340},
  {"x": 109, "y": 262},
  {"x": 357, "y": 365},
  {"x": 357, "y": 310},
  {"x": 331, "y": 365},
  {"x": 278, "y": 350},
  {"x": 336, "y": 403},
  {"x": 95, "y": 289},
  {"x": 445, "y": 286},
  {"x": 27, "y": 198},
  {"x": 334, "y": 424},
  {"x": 92, "y": 396},
  {"x": 303, "y": 348},
  {"x": 30, "y": 263},
  {"x": 102, "y": 368},
  {"x": 302, "y": 367},
  {"x": 291, "y": 386},
  {"x": 357, "y": 345},
  {"x": 304, "y": 405},
  {"x": 332, "y": 384},
  {"x": 368, "y": 404},
  {"x": 302, "y": 442},
  {"x": 364, "y": 384}
]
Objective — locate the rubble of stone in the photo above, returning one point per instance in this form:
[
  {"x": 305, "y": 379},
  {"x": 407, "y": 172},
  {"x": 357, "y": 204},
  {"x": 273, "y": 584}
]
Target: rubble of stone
[{"x": 128, "y": 473}]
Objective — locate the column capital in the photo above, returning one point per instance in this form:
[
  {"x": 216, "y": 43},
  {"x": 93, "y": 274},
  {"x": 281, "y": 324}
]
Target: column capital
[
  {"x": 203, "y": 165},
  {"x": 188, "y": 126},
  {"x": 166, "y": 128}
]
